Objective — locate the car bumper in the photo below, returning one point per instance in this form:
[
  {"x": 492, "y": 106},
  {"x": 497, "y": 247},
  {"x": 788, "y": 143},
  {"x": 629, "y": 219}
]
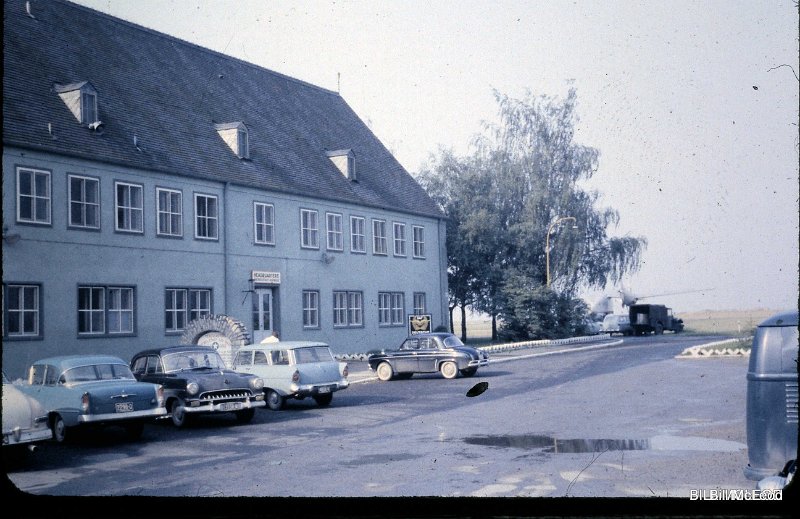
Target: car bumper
[
  {"x": 18, "y": 436},
  {"x": 303, "y": 390},
  {"x": 222, "y": 407},
  {"x": 478, "y": 363},
  {"x": 108, "y": 417}
]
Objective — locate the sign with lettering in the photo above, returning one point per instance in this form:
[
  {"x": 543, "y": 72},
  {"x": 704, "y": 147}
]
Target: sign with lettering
[
  {"x": 419, "y": 324},
  {"x": 265, "y": 278}
]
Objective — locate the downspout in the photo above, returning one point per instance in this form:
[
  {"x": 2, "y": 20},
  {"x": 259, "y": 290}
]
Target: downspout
[{"x": 225, "y": 248}]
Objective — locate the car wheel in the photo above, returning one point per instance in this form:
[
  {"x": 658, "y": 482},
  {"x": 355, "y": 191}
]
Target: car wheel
[
  {"x": 274, "y": 400},
  {"x": 449, "y": 369},
  {"x": 659, "y": 329},
  {"x": 178, "y": 411},
  {"x": 245, "y": 415},
  {"x": 134, "y": 430},
  {"x": 469, "y": 372},
  {"x": 384, "y": 371},
  {"x": 59, "y": 429},
  {"x": 323, "y": 400}
]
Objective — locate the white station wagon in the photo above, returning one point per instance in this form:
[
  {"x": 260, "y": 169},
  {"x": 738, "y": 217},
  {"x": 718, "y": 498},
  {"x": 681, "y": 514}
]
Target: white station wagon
[{"x": 293, "y": 369}]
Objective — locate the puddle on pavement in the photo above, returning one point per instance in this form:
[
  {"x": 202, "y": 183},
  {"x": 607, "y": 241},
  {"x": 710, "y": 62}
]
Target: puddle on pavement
[{"x": 553, "y": 445}]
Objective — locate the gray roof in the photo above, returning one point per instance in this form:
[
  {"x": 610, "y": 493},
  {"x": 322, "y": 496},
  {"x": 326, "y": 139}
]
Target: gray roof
[{"x": 170, "y": 94}]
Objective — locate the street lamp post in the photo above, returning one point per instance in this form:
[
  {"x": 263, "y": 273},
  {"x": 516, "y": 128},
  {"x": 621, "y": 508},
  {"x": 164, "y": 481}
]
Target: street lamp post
[{"x": 547, "y": 241}]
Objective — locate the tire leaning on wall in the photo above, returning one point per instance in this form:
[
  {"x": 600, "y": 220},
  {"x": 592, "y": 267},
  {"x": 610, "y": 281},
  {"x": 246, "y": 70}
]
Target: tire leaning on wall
[{"x": 225, "y": 334}]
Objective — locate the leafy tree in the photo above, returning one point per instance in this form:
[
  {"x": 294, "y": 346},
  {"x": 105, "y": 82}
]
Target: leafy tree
[{"x": 523, "y": 175}]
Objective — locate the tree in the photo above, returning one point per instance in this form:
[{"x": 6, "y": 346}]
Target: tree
[{"x": 523, "y": 174}]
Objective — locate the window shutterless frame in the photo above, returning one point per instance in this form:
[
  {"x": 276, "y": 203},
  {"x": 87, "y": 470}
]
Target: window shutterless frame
[
  {"x": 263, "y": 223},
  {"x": 83, "y": 211},
  {"x": 206, "y": 216},
  {"x": 309, "y": 228},
  {"x": 33, "y": 196},
  {"x": 169, "y": 212},
  {"x": 129, "y": 207}
]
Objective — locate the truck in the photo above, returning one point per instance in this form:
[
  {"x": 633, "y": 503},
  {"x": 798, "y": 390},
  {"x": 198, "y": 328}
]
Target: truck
[{"x": 647, "y": 318}]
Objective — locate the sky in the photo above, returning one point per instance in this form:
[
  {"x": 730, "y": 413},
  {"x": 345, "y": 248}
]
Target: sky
[{"x": 693, "y": 106}]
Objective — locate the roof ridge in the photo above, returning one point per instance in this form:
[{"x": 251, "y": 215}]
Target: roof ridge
[{"x": 134, "y": 25}]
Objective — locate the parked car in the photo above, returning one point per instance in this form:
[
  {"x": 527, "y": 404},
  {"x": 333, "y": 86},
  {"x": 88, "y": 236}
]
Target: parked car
[
  {"x": 592, "y": 327},
  {"x": 92, "y": 390},
  {"x": 772, "y": 397},
  {"x": 617, "y": 323},
  {"x": 428, "y": 353},
  {"x": 196, "y": 381},
  {"x": 24, "y": 418},
  {"x": 293, "y": 369}
]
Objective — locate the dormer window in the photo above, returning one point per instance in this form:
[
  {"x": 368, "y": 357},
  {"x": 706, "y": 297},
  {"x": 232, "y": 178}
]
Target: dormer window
[
  {"x": 345, "y": 161},
  {"x": 236, "y": 136},
  {"x": 81, "y": 99},
  {"x": 89, "y": 108}
]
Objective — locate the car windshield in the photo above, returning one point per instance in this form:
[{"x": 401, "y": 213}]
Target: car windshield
[
  {"x": 192, "y": 360},
  {"x": 312, "y": 354},
  {"x": 451, "y": 341},
  {"x": 95, "y": 372}
]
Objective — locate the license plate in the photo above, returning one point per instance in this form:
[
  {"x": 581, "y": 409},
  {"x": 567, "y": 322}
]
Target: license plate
[
  {"x": 325, "y": 389},
  {"x": 230, "y": 406},
  {"x": 124, "y": 407}
]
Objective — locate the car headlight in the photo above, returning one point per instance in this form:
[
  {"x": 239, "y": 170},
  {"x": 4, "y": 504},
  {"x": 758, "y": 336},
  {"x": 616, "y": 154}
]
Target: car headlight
[
  {"x": 257, "y": 383},
  {"x": 192, "y": 388}
]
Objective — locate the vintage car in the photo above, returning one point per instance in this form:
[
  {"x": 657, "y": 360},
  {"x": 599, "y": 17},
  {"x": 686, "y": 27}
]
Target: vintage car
[
  {"x": 294, "y": 369},
  {"x": 92, "y": 390},
  {"x": 24, "y": 418},
  {"x": 428, "y": 353},
  {"x": 771, "y": 411},
  {"x": 195, "y": 380},
  {"x": 617, "y": 323}
]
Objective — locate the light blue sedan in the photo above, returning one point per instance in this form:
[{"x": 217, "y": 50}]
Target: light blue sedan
[{"x": 92, "y": 390}]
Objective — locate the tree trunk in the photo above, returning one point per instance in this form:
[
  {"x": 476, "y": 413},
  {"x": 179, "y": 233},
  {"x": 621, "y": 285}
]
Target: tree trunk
[
  {"x": 494, "y": 327},
  {"x": 463, "y": 323},
  {"x": 452, "y": 330}
]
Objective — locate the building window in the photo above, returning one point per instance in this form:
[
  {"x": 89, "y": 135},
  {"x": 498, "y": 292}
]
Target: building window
[
  {"x": 379, "y": 240},
  {"x": 309, "y": 229},
  {"x": 33, "y": 196},
  {"x": 419, "y": 303},
  {"x": 391, "y": 308},
  {"x": 347, "y": 308},
  {"x": 88, "y": 108},
  {"x": 106, "y": 310},
  {"x": 264, "y": 218},
  {"x": 399, "y": 239},
  {"x": 120, "y": 310},
  {"x": 183, "y": 305},
  {"x": 206, "y": 216},
  {"x": 21, "y": 311},
  {"x": 358, "y": 241},
  {"x": 419, "y": 241},
  {"x": 130, "y": 207},
  {"x": 84, "y": 202},
  {"x": 335, "y": 233},
  {"x": 310, "y": 309},
  {"x": 243, "y": 143},
  {"x": 170, "y": 212}
]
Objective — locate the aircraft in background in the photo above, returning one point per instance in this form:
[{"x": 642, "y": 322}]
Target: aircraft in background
[{"x": 605, "y": 304}]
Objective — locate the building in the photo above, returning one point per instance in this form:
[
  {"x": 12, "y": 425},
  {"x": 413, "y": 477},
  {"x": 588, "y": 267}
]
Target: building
[{"x": 149, "y": 182}]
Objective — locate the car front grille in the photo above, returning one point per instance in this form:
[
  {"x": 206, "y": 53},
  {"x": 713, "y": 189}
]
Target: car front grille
[{"x": 223, "y": 395}]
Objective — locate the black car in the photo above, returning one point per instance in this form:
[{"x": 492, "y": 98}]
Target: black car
[
  {"x": 195, "y": 380},
  {"x": 428, "y": 353}
]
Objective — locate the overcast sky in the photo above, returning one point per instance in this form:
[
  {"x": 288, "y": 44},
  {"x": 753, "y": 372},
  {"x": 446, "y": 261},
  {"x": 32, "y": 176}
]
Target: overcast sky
[{"x": 688, "y": 103}]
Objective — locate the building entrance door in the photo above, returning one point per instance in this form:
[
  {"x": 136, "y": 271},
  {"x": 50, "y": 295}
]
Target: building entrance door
[{"x": 262, "y": 314}]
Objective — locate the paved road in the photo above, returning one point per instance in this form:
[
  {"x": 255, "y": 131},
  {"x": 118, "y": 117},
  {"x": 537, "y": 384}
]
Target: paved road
[{"x": 628, "y": 420}]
